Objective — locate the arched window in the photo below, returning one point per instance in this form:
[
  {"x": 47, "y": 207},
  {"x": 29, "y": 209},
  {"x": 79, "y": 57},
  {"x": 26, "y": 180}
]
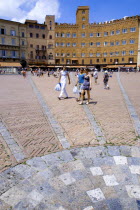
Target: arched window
[{"x": 50, "y": 37}]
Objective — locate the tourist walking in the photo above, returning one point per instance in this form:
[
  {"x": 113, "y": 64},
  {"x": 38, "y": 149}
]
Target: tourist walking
[
  {"x": 79, "y": 83},
  {"x": 95, "y": 75},
  {"x": 86, "y": 87},
  {"x": 105, "y": 80},
  {"x": 63, "y": 80}
]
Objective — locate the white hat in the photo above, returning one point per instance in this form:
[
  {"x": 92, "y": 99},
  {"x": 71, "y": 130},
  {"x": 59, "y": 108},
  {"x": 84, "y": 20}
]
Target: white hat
[{"x": 106, "y": 71}]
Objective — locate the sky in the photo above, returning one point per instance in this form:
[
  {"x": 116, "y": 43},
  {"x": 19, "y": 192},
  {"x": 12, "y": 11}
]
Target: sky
[{"x": 65, "y": 10}]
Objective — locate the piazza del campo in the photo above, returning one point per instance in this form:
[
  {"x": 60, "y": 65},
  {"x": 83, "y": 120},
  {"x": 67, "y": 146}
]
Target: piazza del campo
[{"x": 57, "y": 153}]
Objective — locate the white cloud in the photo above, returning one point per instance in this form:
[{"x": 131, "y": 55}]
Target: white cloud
[{"x": 19, "y": 10}]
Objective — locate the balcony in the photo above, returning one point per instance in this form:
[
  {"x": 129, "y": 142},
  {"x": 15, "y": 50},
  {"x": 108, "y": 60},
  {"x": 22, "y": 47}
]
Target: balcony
[{"x": 40, "y": 50}]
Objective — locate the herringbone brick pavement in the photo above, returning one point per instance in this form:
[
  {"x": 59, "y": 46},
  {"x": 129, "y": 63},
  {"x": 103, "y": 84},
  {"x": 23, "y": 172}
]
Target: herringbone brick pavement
[{"x": 24, "y": 118}]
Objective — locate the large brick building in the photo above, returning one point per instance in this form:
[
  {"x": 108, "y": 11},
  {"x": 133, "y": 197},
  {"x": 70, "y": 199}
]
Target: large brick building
[{"x": 109, "y": 44}]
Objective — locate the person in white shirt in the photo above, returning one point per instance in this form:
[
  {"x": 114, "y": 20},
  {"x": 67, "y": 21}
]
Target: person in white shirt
[
  {"x": 63, "y": 80},
  {"x": 95, "y": 75}
]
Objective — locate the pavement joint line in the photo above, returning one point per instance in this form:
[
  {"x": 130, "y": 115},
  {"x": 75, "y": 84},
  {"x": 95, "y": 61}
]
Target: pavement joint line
[
  {"x": 12, "y": 144},
  {"x": 130, "y": 107},
  {"x": 97, "y": 130},
  {"x": 55, "y": 125}
]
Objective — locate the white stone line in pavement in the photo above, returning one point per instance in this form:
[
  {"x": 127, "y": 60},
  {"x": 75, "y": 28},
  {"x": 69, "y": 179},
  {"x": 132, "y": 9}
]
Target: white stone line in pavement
[
  {"x": 96, "y": 128},
  {"x": 55, "y": 125},
  {"x": 130, "y": 107},
  {"x": 14, "y": 147}
]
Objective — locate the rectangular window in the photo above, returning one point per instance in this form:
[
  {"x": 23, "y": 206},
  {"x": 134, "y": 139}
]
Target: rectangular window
[
  {"x": 98, "y": 44},
  {"x": 105, "y": 43},
  {"x": 105, "y": 33},
  {"x": 43, "y": 36},
  {"x": 62, "y": 54},
  {"x": 74, "y": 44},
  {"x": 83, "y": 18},
  {"x": 36, "y": 26},
  {"x": 22, "y": 34},
  {"x": 62, "y": 44},
  {"x": 112, "y": 33},
  {"x": 3, "y": 53},
  {"x": 83, "y": 44},
  {"x": 57, "y": 44},
  {"x": 116, "y": 53},
  {"x": 124, "y": 30},
  {"x": 22, "y": 54},
  {"x": 22, "y": 42},
  {"x": 91, "y": 44},
  {"x": 83, "y": 35},
  {"x": 123, "y": 42},
  {"x": 74, "y": 35},
  {"x": 91, "y": 34},
  {"x": 98, "y": 34},
  {"x": 98, "y": 60},
  {"x": 57, "y": 54},
  {"x": 31, "y": 35},
  {"x": 68, "y": 54},
  {"x": 111, "y": 53},
  {"x": 105, "y": 54},
  {"x": 31, "y": 26},
  {"x": 123, "y": 52},
  {"x": 62, "y": 35},
  {"x": 132, "y": 41},
  {"x": 104, "y": 59},
  {"x": 83, "y": 26},
  {"x": 42, "y": 27},
  {"x": 13, "y": 54},
  {"x": 37, "y": 35},
  {"x": 82, "y": 54},
  {"x": 31, "y": 45},
  {"x": 13, "y": 33},
  {"x": 74, "y": 55},
  {"x": 90, "y": 54},
  {"x": 111, "y": 43},
  {"x": 57, "y": 35},
  {"x": 2, "y": 31},
  {"x": 13, "y": 41},
  {"x": 37, "y": 47},
  {"x": 131, "y": 52},
  {"x": 132, "y": 29},
  {"x": 2, "y": 40},
  {"x": 68, "y": 35},
  {"x": 97, "y": 54},
  {"x": 118, "y": 32},
  {"x": 117, "y": 43},
  {"x": 68, "y": 44}
]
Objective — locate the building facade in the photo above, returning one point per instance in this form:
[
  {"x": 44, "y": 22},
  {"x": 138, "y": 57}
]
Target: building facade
[
  {"x": 13, "y": 43},
  {"x": 109, "y": 44}
]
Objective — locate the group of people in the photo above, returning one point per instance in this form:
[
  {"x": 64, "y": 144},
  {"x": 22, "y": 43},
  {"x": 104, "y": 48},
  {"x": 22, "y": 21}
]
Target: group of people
[{"x": 83, "y": 83}]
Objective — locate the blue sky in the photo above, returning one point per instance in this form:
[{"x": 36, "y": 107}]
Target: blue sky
[
  {"x": 100, "y": 10},
  {"x": 65, "y": 10}
]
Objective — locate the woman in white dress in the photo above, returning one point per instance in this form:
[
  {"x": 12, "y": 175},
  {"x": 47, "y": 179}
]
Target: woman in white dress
[{"x": 63, "y": 80}]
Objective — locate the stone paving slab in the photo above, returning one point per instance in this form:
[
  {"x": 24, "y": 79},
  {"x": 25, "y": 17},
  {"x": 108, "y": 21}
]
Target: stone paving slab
[{"x": 68, "y": 182}]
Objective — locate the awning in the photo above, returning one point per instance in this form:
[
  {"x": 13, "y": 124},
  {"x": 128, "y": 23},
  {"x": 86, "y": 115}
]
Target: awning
[
  {"x": 6, "y": 64},
  {"x": 114, "y": 66},
  {"x": 74, "y": 59},
  {"x": 130, "y": 66}
]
